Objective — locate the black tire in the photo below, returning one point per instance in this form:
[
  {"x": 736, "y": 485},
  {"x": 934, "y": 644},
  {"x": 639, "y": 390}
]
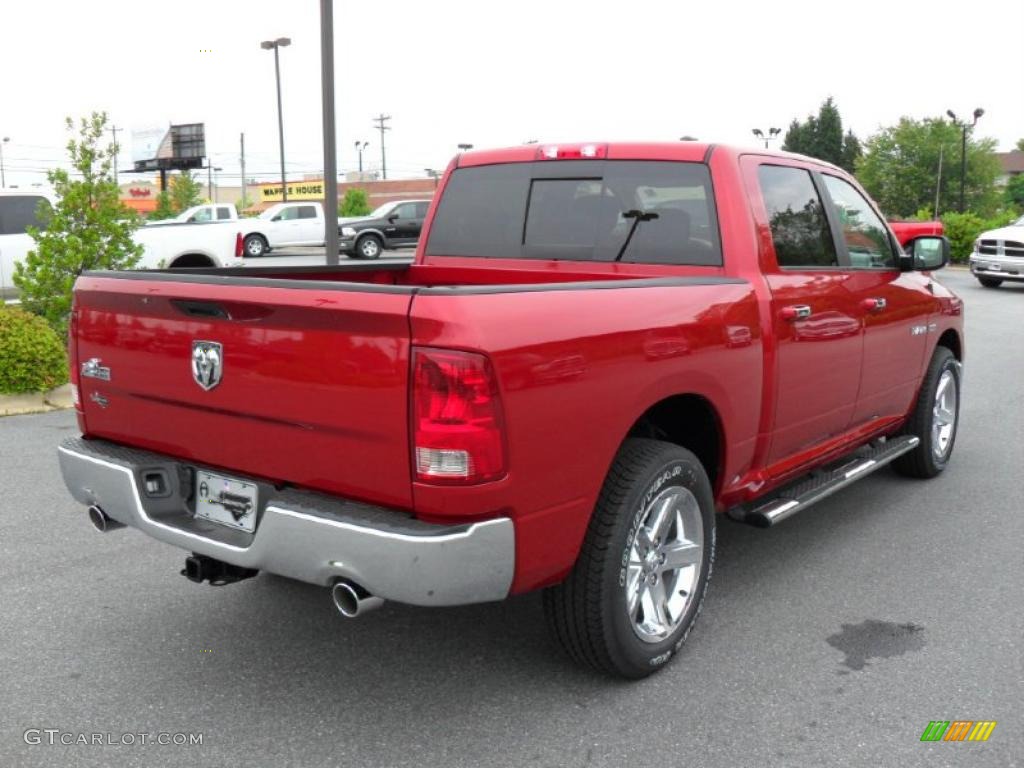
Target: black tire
[
  {"x": 587, "y": 613},
  {"x": 255, "y": 246},
  {"x": 369, "y": 247},
  {"x": 990, "y": 282},
  {"x": 924, "y": 461}
]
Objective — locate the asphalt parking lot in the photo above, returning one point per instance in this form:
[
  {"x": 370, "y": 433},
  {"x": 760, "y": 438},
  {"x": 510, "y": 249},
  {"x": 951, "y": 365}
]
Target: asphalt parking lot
[{"x": 832, "y": 639}]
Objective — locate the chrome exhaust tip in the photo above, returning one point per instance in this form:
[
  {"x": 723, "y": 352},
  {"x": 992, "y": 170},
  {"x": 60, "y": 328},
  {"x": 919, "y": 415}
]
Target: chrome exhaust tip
[
  {"x": 351, "y": 600},
  {"x": 101, "y": 521}
]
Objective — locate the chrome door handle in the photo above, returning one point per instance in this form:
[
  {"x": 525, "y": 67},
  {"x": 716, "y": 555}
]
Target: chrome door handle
[
  {"x": 796, "y": 312},
  {"x": 873, "y": 304}
]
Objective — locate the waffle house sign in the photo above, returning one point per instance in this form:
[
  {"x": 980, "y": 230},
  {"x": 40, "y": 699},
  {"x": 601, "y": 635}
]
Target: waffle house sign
[{"x": 297, "y": 190}]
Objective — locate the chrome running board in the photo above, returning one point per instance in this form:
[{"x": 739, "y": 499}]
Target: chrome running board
[{"x": 821, "y": 484}]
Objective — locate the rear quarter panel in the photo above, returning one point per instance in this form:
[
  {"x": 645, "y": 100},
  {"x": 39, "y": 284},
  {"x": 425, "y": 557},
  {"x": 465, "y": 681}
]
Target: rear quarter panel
[{"x": 576, "y": 369}]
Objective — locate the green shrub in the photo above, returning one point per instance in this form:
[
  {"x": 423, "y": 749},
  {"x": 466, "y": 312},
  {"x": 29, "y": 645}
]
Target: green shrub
[
  {"x": 354, "y": 203},
  {"x": 963, "y": 229},
  {"x": 31, "y": 353}
]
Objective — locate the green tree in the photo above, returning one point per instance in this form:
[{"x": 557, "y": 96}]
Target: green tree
[
  {"x": 164, "y": 209},
  {"x": 243, "y": 205},
  {"x": 900, "y": 168},
  {"x": 822, "y": 137},
  {"x": 185, "y": 192},
  {"x": 1015, "y": 191},
  {"x": 1020, "y": 145},
  {"x": 355, "y": 203},
  {"x": 89, "y": 227}
]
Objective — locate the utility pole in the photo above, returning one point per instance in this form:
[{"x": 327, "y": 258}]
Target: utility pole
[
  {"x": 241, "y": 140},
  {"x": 113, "y": 132},
  {"x": 938, "y": 184},
  {"x": 330, "y": 146},
  {"x": 381, "y": 126}
]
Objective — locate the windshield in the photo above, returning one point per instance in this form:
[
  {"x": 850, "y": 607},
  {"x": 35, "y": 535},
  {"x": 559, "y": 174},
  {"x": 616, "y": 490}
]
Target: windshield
[
  {"x": 381, "y": 211},
  {"x": 582, "y": 210}
]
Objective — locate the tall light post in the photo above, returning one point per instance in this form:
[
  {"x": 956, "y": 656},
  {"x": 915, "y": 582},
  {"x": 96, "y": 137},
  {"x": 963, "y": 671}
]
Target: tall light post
[
  {"x": 432, "y": 174},
  {"x": 360, "y": 146},
  {"x": 772, "y": 135},
  {"x": 963, "y": 149},
  {"x": 3, "y": 179},
  {"x": 274, "y": 45}
]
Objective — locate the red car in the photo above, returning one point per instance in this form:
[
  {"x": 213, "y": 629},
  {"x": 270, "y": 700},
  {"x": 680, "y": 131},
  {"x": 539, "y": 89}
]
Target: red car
[{"x": 597, "y": 348}]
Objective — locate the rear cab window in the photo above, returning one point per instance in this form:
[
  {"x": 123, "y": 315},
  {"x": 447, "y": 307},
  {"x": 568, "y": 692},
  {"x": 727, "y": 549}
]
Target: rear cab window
[{"x": 651, "y": 212}]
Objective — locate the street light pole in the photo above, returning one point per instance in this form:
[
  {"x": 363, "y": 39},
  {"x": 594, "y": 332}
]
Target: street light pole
[
  {"x": 360, "y": 146},
  {"x": 772, "y": 135},
  {"x": 3, "y": 178},
  {"x": 330, "y": 148},
  {"x": 963, "y": 150},
  {"x": 281, "y": 42}
]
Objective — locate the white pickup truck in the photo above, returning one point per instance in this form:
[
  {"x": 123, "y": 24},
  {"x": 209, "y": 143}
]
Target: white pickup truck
[
  {"x": 199, "y": 214},
  {"x": 217, "y": 244},
  {"x": 283, "y": 225}
]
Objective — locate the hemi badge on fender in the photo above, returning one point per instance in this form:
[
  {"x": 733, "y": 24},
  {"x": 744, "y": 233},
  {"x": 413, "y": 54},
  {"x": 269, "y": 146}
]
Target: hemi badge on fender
[{"x": 92, "y": 369}]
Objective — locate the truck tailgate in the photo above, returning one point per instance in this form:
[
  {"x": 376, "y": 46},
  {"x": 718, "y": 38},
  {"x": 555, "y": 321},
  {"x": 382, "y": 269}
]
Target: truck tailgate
[{"x": 312, "y": 388}]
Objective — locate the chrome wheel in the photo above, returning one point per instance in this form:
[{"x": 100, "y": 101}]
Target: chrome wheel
[
  {"x": 370, "y": 248},
  {"x": 254, "y": 246},
  {"x": 944, "y": 414},
  {"x": 664, "y": 564}
]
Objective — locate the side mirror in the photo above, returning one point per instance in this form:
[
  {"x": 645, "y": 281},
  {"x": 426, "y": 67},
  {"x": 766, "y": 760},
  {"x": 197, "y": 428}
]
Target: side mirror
[
  {"x": 930, "y": 253},
  {"x": 393, "y": 218},
  {"x": 276, "y": 218}
]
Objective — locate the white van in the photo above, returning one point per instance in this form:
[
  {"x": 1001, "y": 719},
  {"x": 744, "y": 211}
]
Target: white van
[{"x": 19, "y": 209}]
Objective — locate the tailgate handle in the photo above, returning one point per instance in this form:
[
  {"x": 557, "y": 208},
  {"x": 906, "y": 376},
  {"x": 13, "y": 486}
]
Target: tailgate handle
[{"x": 201, "y": 308}]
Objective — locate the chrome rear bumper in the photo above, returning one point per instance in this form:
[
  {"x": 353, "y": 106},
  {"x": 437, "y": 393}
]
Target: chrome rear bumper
[{"x": 302, "y": 535}]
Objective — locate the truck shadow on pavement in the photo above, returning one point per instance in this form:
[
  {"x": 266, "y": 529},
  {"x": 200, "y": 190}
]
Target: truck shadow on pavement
[{"x": 451, "y": 657}]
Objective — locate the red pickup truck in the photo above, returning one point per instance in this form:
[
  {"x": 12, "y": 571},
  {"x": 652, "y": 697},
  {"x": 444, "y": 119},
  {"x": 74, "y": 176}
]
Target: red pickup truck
[{"x": 596, "y": 348}]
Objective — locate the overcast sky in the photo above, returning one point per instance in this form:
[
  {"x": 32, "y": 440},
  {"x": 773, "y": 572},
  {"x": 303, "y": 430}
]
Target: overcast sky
[{"x": 495, "y": 73}]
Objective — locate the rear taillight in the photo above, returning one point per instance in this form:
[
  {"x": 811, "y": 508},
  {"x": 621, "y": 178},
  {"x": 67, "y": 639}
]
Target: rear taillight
[
  {"x": 238, "y": 245},
  {"x": 73, "y": 373},
  {"x": 457, "y": 426}
]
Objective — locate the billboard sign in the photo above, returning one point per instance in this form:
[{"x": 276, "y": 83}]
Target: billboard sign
[
  {"x": 297, "y": 190},
  {"x": 178, "y": 147}
]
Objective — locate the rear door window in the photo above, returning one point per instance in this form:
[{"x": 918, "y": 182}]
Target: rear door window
[
  {"x": 631, "y": 211},
  {"x": 18, "y": 212},
  {"x": 307, "y": 212},
  {"x": 800, "y": 229},
  {"x": 223, "y": 213}
]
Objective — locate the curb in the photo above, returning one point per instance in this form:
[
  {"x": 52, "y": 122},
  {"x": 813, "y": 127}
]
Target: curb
[{"x": 36, "y": 402}]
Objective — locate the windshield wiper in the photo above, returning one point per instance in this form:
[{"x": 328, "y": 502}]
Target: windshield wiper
[{"x": 637, "y": 216}]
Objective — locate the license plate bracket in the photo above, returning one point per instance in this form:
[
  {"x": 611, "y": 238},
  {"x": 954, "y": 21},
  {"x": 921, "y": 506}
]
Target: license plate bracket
[{"x": 226, "y": 501}]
